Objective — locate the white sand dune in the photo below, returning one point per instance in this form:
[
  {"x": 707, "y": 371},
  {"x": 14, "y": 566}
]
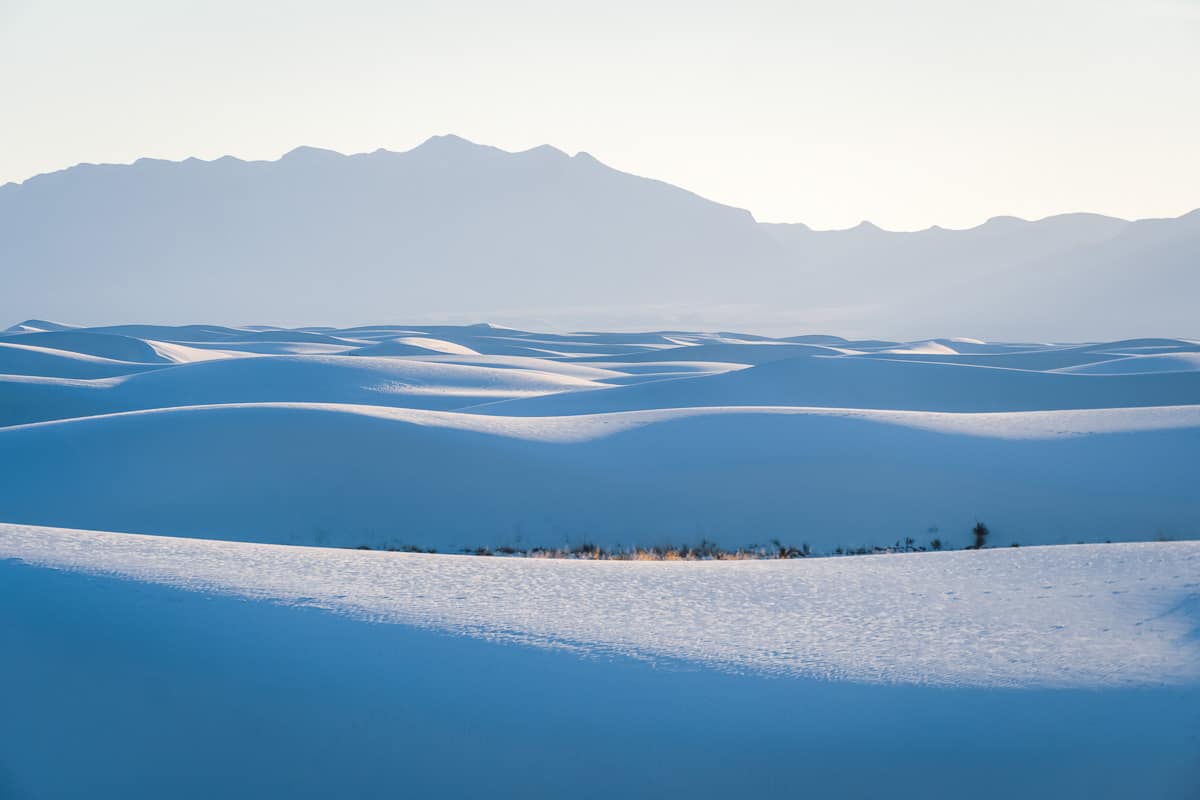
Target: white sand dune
[
  {"x": 478, "y": 435},
  {"x": 1167, "y": 362},
  {"x": 572, "y": 369},
  {"x": 177, "y": 353},
  {"x": 230, "y": 446},
  {"x": 318, "y": 378},
  {"x": 740, "y": 353},
  {"x": 852, "y": 382},
  {"x": 21, "y": 359},
  {"x": 1144, "y": 345},
  {"x": 103, "y": 345},
  {"x": 924, "y": 349},
  {"x": 413, "y": 346},
  {"x": 172, "y": 667},
  {"x": 1091, "y": 616},
  {"x": 350, "y": 475},
  {"x": 38, "y": 326}
]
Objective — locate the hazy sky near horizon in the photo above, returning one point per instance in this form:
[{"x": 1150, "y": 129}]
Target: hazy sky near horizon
[{"x": 904, "y": 113}]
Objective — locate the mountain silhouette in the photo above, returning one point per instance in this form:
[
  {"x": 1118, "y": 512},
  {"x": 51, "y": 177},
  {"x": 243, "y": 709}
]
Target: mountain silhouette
[{"x": 455, "y": 231}]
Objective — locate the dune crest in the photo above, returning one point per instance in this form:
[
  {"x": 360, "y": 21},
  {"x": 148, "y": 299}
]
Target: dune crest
[{"x": 453, "y": 437}]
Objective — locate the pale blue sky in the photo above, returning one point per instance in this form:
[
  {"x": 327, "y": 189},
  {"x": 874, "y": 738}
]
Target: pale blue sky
[{"x": 904, "y": 113}]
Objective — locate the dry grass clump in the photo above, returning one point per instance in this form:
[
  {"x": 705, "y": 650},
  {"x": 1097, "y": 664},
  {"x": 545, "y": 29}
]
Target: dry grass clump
[{"x": 704, "y": 551}]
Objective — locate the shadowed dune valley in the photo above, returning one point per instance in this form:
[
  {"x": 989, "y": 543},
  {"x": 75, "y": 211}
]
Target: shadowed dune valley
[
  {"x": 639, "y": 400},
  {"x": 775, "y": 538}
]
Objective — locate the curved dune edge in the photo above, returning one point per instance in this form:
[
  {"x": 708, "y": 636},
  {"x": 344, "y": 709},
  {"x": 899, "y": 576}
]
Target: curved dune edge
[
  {"x": 587, "y": 427},
  {"x": 1075, "y": 616},
  {"x": 336, "y": 474},
  {"x": 470, "y": 436}
]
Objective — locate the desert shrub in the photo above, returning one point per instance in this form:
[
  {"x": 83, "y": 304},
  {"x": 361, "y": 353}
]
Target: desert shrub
[
  {"x": 980, "y": 532},
  {"x": 787, "y": 551},
  {"x": 587, "y": 550}
]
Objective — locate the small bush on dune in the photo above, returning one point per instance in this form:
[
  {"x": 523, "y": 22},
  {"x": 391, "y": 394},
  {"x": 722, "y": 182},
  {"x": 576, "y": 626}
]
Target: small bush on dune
[
  {"x": 586, "y": 550},
  {"x": 787, "y": 551},
  {"x": 980, "y": 532}
]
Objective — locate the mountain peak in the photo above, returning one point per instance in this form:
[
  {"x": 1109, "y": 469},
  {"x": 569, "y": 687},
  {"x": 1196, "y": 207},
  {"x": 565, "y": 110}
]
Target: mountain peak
[
  {"x": 447, "y": 143},
  {"x": 544, "y": 150},
  {"x": 308, "y": 153}
]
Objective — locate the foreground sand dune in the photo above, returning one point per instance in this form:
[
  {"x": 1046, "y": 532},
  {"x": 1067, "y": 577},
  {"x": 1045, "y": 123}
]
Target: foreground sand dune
[
  {"x": 1078, "y": 616},
  {"x": 218, "y": 650}
]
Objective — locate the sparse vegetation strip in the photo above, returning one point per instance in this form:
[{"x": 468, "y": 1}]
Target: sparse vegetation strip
[{"x": 704, "y": 551}]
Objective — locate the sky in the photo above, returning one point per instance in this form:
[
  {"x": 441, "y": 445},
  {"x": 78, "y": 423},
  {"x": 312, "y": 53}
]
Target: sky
[{"x": 907, "y": 114}]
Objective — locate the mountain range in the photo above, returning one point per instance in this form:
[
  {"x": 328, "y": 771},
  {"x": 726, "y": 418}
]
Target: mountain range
[{"x": 452, "y": 231}]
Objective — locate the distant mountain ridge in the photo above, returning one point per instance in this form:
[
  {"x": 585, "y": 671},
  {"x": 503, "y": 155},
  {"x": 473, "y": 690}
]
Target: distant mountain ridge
[{"x": 453, "y": 231}]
